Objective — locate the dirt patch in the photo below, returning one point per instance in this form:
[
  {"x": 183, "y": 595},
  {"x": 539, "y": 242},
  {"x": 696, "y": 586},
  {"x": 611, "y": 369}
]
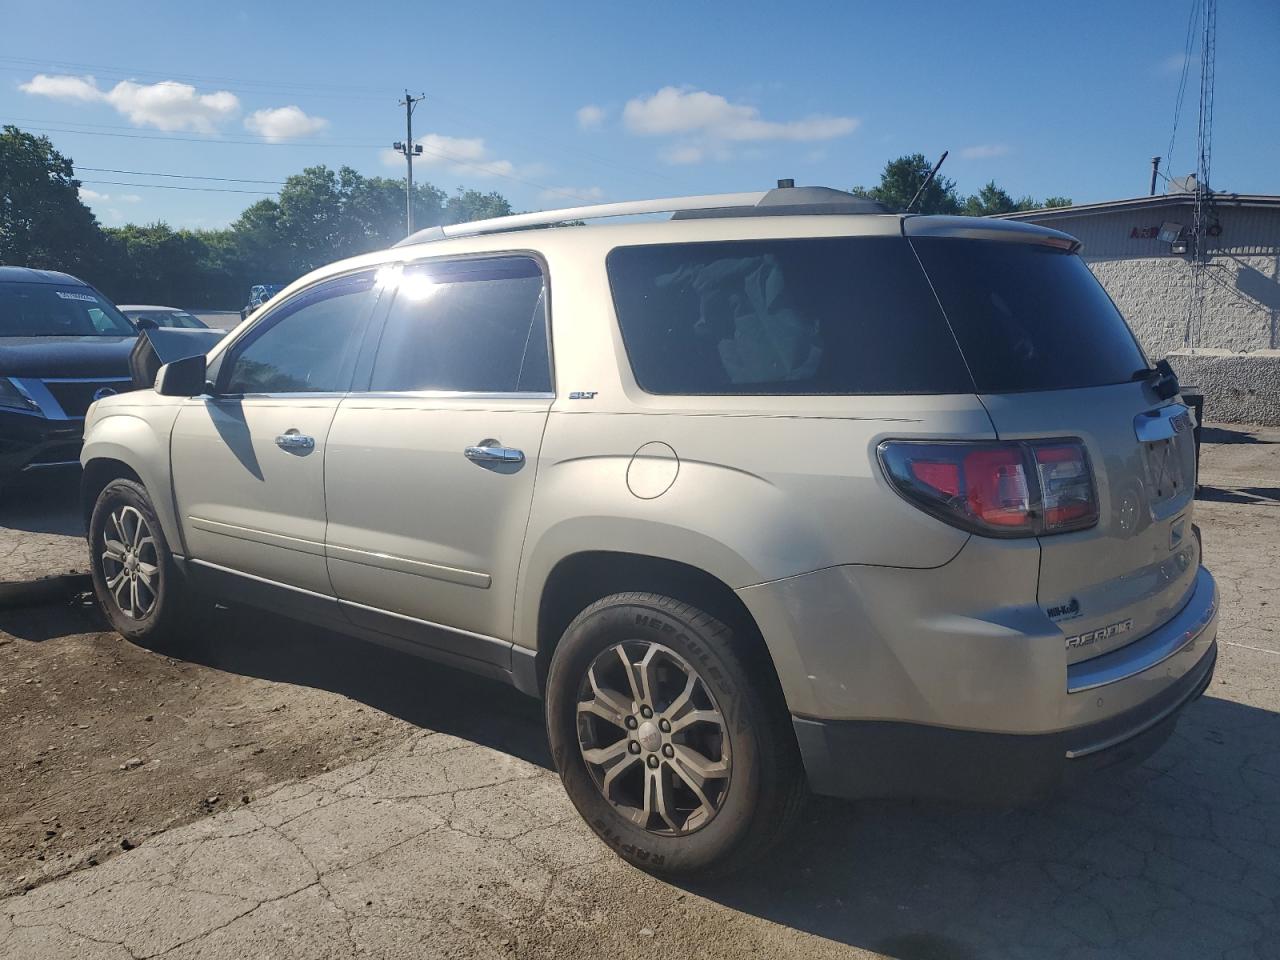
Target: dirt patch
[{"x": 106, "y": 743}]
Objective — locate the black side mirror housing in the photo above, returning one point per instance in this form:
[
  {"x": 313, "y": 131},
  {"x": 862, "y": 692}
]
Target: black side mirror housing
[
  {"x": 145, "y": 323},
  {"x": 1165, "y": 384},
  {"x": 182, "y": 378}
]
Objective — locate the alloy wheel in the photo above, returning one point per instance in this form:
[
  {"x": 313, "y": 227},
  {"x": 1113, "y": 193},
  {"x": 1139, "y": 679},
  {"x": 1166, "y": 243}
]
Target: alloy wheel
[
  {"x": 130, "y": 563},
  {"x": 654, "y": 739}
]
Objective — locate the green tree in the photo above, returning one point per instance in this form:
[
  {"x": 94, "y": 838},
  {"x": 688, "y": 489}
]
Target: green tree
[
  {"x": 43, "y": 222},
  {"x": 991, "y": 199},
  {"x": 1056, "y": 202},
  {"x": 902, "y": 178}
]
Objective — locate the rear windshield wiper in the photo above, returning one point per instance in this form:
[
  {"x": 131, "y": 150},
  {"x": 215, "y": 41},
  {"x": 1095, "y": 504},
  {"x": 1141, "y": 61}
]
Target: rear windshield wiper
[{"x": 1161, "y": 378}]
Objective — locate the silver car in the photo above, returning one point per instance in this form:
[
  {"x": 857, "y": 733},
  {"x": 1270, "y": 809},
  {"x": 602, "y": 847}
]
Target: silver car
[{"x": 785, "y": 492}]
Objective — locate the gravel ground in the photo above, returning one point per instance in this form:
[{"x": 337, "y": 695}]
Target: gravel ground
[{"x": 438, "y": 831}]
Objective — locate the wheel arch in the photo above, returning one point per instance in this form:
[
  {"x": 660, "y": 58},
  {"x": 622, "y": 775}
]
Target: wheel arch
[
  {"x": 129, "y": 447},
  {"x": 581, "y": 578}
]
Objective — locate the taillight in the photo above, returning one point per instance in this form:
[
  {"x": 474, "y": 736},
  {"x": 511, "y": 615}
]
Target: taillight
[{"x": 998, "y": 489}]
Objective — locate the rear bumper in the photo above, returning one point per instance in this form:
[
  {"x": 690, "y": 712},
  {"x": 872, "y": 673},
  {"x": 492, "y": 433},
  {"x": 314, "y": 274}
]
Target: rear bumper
[
  {"x": 1119, "y": 708},
  {"x": 863, "y": 759}
]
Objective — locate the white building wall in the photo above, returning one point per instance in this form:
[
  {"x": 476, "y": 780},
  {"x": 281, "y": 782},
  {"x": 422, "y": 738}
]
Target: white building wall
[{"x": 1152, "y": 287}]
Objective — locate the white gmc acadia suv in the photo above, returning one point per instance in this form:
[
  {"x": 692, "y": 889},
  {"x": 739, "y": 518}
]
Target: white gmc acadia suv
[{"x": 785, "y": 492}]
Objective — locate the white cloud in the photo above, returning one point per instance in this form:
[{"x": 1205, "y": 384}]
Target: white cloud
[
  {"x": 559, "y": 196},
  {"x": 591, "y": 117},
  {"x": 464, "y": 155},
  {"x": 673, "y": 111},
  {"x": 63, "y": 87},
  {"x": 93, "y": 196},
  {"x": 282, "y": 123},
  {"x": 984, "y": 151},
  {"x": 166, "y": 105}
]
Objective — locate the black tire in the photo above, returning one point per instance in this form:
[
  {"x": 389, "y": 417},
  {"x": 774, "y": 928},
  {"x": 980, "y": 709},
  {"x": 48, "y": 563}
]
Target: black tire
[
  {"x": 159, "y": 624},
  {"x": 763, "y": 794}
]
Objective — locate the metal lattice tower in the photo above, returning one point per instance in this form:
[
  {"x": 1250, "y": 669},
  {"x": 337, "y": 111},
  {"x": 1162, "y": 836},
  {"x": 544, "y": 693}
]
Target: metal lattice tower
[{"x": 1203, "y": 206}]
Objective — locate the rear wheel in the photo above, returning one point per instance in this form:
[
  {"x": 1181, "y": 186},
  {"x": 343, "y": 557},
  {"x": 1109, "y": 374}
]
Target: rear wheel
[
  {"x": 134, "y": 577},
  {"x": 667, "y": 742}
]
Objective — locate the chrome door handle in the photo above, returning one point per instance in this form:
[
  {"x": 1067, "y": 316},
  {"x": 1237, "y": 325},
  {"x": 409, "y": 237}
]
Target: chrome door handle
[
  {"x": 295, "y": 441},
  {"x": 490, "y": 451}
]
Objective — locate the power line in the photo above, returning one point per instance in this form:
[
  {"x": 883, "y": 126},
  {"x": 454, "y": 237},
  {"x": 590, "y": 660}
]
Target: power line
[
  {"x": 170, "y": 186},
  {"x": 177, "y": 176},
  {"x": 1188, "y": 46},
  {"x": 483, "y": 167}
]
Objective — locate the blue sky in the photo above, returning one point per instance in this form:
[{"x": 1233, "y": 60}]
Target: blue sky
[{"x": 557, "y": 103}]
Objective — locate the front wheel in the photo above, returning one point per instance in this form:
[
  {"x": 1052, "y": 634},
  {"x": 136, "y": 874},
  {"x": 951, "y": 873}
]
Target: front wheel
[
  {"x": 135, "y": 579},
  {"x": 668, "y": 743}
]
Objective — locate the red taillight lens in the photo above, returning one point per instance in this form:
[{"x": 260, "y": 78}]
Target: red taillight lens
[
  {"x": 999, "y": 489},
  {"x": 996, "y": 487}
]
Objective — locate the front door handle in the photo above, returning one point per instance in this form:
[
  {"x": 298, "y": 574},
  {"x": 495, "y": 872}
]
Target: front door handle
[
  {"x": 292, "y": 440},
  {"x": 491, "y": 451}
]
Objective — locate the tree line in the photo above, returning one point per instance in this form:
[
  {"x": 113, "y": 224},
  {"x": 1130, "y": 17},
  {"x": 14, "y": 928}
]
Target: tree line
[{"x": 320, "y": 215}]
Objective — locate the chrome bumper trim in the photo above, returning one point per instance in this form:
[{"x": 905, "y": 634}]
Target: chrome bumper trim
[{"x": 1156, "y": 647}]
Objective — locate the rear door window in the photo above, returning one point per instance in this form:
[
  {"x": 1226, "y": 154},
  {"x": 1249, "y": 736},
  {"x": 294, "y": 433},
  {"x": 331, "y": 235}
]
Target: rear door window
[
  {"x": 830, "y": 315},
  {"x": 472, "y": 326},
  {"x": 1029, "y": 317}
]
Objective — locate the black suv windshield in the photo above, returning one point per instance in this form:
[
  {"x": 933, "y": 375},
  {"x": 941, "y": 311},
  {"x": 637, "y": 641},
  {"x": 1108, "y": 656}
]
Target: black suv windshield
[
  {"x": 1029, "y": 317},
  {"x": 58, "y": 310}
]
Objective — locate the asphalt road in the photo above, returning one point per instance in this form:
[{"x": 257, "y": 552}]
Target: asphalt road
[
  {"x": 450, "y": 842},
  {"x": 220, "y": 319}
]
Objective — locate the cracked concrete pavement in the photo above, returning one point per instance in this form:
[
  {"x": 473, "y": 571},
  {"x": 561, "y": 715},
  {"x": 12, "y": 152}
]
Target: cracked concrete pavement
[{"x": 440, "y": 846}]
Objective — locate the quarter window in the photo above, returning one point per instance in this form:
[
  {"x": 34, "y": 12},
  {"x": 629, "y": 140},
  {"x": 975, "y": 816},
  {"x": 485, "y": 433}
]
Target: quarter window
[
  {"x": 467, "y": 325},
  {"x": 831, "y": 315},
  {"x": 309, "y": 344}
]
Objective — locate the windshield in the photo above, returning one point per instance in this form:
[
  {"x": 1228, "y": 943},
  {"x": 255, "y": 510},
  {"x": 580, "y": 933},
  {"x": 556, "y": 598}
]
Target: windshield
[
  {"x": 58, "y": 310},
  {"x": 168, "y": 318}
]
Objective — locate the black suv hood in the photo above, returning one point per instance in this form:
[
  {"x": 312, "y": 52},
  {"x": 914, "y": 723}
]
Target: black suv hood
[{"x": 65, "y": 356}]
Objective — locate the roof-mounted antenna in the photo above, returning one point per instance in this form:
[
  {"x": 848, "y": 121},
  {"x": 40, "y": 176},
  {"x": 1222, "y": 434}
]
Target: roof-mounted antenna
[{"x": 927, "y": 180}]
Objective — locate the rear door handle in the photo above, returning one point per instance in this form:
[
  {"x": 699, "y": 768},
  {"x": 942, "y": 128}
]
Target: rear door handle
[
  {"x": 292, "y": 440},
  {"x": 491, "y": 451}
]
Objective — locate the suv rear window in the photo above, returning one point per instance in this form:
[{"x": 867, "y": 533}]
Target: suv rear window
[
  {"x": 1029, "y": 317},
  {"x": 829, "y": 315}
]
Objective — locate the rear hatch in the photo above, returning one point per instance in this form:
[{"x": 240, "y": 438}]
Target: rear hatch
[{"x": 1051, "y": 357}]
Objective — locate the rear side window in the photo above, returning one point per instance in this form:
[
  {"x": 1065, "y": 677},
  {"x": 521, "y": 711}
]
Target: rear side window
[
  {"x": 476, "y": 326},
  {"x": 843, "y": 315},
  {"x": 1029, "y": 317}
]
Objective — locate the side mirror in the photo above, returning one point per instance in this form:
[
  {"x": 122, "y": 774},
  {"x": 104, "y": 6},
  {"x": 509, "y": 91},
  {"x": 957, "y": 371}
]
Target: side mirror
[
  {"x": 145, "y": 323},
  {"x": 182, "y": 378}
]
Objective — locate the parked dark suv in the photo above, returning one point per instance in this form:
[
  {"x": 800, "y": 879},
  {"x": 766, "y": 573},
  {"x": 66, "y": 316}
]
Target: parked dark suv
[{"x": 62, "y": 346}]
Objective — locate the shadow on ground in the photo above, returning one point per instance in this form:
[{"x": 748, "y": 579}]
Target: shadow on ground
[
  {"x": 1238, "y": 494},
  {"x": 43, "y": 503},
  {"x": 1232, "y": 434},
  {"x": 417, "y": 691},
  {"x": 1179, "y": 858}
]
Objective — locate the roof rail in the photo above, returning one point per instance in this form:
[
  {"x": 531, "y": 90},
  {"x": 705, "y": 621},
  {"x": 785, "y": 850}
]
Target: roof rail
[{"x": 595, "y": 211}]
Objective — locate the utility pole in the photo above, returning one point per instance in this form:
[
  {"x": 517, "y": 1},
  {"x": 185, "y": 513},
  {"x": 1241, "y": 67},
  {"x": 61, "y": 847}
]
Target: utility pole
[{"x": 410, "y": 150}]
